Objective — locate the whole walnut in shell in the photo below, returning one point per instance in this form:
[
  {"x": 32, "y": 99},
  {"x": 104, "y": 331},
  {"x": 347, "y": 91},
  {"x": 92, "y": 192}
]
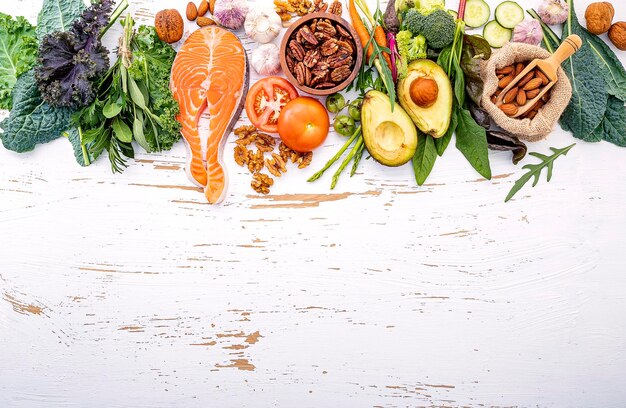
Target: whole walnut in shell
[
  {"x": 599, "y": 17},
  {"x": 617, "y": 34},
  {"x": 169, "y": 25}
]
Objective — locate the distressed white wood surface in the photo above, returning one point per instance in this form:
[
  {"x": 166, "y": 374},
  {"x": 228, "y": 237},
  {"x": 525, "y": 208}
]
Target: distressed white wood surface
[{"x": 128, "y": 291}]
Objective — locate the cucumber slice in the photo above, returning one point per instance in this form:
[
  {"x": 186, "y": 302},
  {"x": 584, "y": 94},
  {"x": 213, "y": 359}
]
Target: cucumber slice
[
  {"x": 453, "y": 13},
  {"x": 509, "y": 14},
  {"x": 477, "y": 13},
  {"x": 496, "y": 35}
]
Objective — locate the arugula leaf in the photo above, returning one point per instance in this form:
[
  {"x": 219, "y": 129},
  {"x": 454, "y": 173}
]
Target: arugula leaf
[
  {"x": 31, "y": 121},
  {"x": 471, "y": 140},
  {"x": 424, "y": 157},
  {"x": 18, "y": 54},
  {"x": 57, "y": 15},
  {"x": 613, "y": 125},
  {"x": 535, "y": 169}
]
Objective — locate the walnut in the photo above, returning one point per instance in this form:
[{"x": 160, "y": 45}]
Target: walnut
[
  {"x": 265, "y": 142},
  {"x": 617, "y": 35},
  {"x": 304, "y": 159},
  {"x": 169, "y": 25},
  {"x": 261, "y": 183},
  {"x": 241, "y": 155},
  {"x": 599, "y": 17},
  {"x": 256, "y": 161},
  {"x": 246, "y": 135},
  {"x": 276, "y": 165}
]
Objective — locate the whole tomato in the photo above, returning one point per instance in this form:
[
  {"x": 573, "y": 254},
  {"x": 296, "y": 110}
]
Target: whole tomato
[{"x": 303, "y": 124}]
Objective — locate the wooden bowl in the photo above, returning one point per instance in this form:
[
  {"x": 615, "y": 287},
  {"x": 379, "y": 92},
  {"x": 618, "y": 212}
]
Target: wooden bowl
[{"x": 358, "y": 60}]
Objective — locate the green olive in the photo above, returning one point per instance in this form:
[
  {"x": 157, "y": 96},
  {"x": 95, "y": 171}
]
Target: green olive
[
  {"x": 335, "y": 103},
  {"x": 354, "y": 109},
  {"x": 344, "y": 125}
]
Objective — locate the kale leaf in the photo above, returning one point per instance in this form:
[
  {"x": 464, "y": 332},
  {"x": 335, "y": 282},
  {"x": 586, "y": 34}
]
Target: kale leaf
[
  {"x": 71, "y": 60},
  {"x": 18, "y": 50},
  {"x": 57, "y": 15},
  {"x": 32, "y": 120}
]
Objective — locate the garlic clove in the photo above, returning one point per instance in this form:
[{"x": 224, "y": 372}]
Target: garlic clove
[
  {"x": 265, "y": 59},
  {"x": 262, "y": 24}
]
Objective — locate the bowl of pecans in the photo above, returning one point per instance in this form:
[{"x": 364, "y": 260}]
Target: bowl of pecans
[{"x": 321, "y": 53}]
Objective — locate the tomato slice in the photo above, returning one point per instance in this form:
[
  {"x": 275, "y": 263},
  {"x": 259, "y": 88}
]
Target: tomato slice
[{"x": 266, "y": 99}]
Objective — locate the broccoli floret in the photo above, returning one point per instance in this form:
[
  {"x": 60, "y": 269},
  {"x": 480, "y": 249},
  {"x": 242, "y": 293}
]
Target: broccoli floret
[
  {"x": 414, "y": 21},
  {"x": 439, "y": 29},
  {"x": 410, "y": 49},
  {"x": 428, "y": 6}
]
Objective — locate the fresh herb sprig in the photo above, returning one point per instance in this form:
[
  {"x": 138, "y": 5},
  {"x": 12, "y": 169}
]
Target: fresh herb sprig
[{"x": 534, "y": 170}]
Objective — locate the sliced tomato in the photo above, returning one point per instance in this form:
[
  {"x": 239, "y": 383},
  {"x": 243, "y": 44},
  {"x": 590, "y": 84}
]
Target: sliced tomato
[{"x": 266, "y": 99}]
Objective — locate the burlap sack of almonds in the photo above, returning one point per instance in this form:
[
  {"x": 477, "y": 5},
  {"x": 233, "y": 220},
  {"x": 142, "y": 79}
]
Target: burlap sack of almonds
[{"x": 543, "y": 123}]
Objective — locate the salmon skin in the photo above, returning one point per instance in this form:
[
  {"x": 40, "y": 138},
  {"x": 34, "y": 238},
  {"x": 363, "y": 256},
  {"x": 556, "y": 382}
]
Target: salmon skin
[{"x": 210, "y": 72}]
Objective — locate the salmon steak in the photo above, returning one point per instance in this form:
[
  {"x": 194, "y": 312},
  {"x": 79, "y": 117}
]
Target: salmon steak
[{"x": 210, "y": 73}]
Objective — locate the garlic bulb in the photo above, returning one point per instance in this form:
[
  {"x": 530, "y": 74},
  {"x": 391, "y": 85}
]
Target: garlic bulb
[
  {"x": 265, "y": 59},
  {"x": 262, "y": 24},
  {"x": 231, "y": 13},
  {"x": 528, "y": 31},
  {"x": 553, "y": 12}
]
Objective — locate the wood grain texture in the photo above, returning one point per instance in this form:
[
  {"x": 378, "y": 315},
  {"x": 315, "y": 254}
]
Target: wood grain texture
[{"x": 129, "y": 291}]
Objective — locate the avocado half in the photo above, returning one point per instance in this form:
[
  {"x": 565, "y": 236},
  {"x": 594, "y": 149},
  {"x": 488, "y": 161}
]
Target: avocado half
[
  {"x": 390, "y": 137},
  {"x": 434, "y": 119}
]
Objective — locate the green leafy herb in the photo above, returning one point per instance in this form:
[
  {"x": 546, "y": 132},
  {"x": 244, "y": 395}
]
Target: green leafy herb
[
  {"x": 424, "y": 158},
  {"x": 534, "y": 170},
  {"x": 471, "y": 140},
  {"x": 18, "y": 54},
  {"x": 57, "y": 15},
  {"x": 133, "y": 101},
  {"x": 31, "y": 120}
]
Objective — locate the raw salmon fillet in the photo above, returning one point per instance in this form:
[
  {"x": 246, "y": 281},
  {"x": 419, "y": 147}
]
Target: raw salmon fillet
[{"x": 210, "y": 72}]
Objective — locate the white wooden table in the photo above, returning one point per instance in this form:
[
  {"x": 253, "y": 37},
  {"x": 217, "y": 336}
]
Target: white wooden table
[{"x": 129, "y": 291}]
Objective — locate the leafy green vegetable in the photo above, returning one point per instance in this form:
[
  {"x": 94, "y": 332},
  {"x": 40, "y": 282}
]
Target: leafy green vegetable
[
  {"x": 31, "y": 121},
  {"x": 424, "y": 157},
  {"x": 534, "y": 170},
  {"x": 18, "y": 54},
  {"x": 57, "y": 15},
  {"x": 475, "y": 50},
  {"x": 613, "y": 125},
  {"x": 133, "y": 100},
  {"x": 83, "y": 157},
  {"x": 471, "y": 140}
]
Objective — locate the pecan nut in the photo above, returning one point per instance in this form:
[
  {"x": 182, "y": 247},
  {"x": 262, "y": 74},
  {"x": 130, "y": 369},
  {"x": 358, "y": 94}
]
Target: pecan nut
[
  {"x": 329, "y": 47},
  {"x": 339, "y": 59},
  {"x": 325, "y": 27},
  {"x": 297, "y": 50},
  {"x": 339, "y": 74},
  {"x": 300, "y": 72},
  {"x": 343, "y": 32},
  {"x": 307, "y": 35},
  {"x": 311, "y": 58},
  {"x": 345, "y": 46},
  {"x": 335, "y": 8}
]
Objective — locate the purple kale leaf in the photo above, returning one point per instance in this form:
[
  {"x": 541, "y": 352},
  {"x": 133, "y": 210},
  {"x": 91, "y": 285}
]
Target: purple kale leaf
[{"x": 70, "y": 61}]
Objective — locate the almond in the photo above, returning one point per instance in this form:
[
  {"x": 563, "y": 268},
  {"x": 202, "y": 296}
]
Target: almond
[
  {"x": 544, "y": 79},
  {"x": 505, "y": 70},
  {"x": 511, "y": 95},
  {"x": 203, "y": 8},
  {"x": 205, "y": 21},
  {"x": 532, "y": 94},
  {"x": 519, "y": 67},
  {"x": 532, "y": 84},
  {"x": 211, "y": 6},
  {"x": 500, "y": 76},
  {"x": 526, "y": 78},
  {"x": 546, "y": 97},
  {"x": 509, "y": 109},
  {"x": 192, "y": 11},
  {"x": 521, "y": 98},
  {"x": 504, "y": 82}
]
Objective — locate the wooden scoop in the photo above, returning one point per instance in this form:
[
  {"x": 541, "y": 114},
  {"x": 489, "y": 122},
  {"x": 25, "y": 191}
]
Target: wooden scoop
[{"x": 548, "y": 66}]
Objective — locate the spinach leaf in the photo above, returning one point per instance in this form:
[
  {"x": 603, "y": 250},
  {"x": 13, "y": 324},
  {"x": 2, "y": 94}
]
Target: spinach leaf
[
  {"x": 57, "y": 15},
  {"x": 18, "y": 54},
  {"x": 475, "y": 50},
  {"x": 471, "y": 140},
  {"x": 611, "y": 67},
  {"x": 613, "y": 125},
  {"x": 589, "y": 97},
  {"x": 31, "y": 121},
  {"x": 424, "y": 157},
  {"x": 442, "y": 143}
]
